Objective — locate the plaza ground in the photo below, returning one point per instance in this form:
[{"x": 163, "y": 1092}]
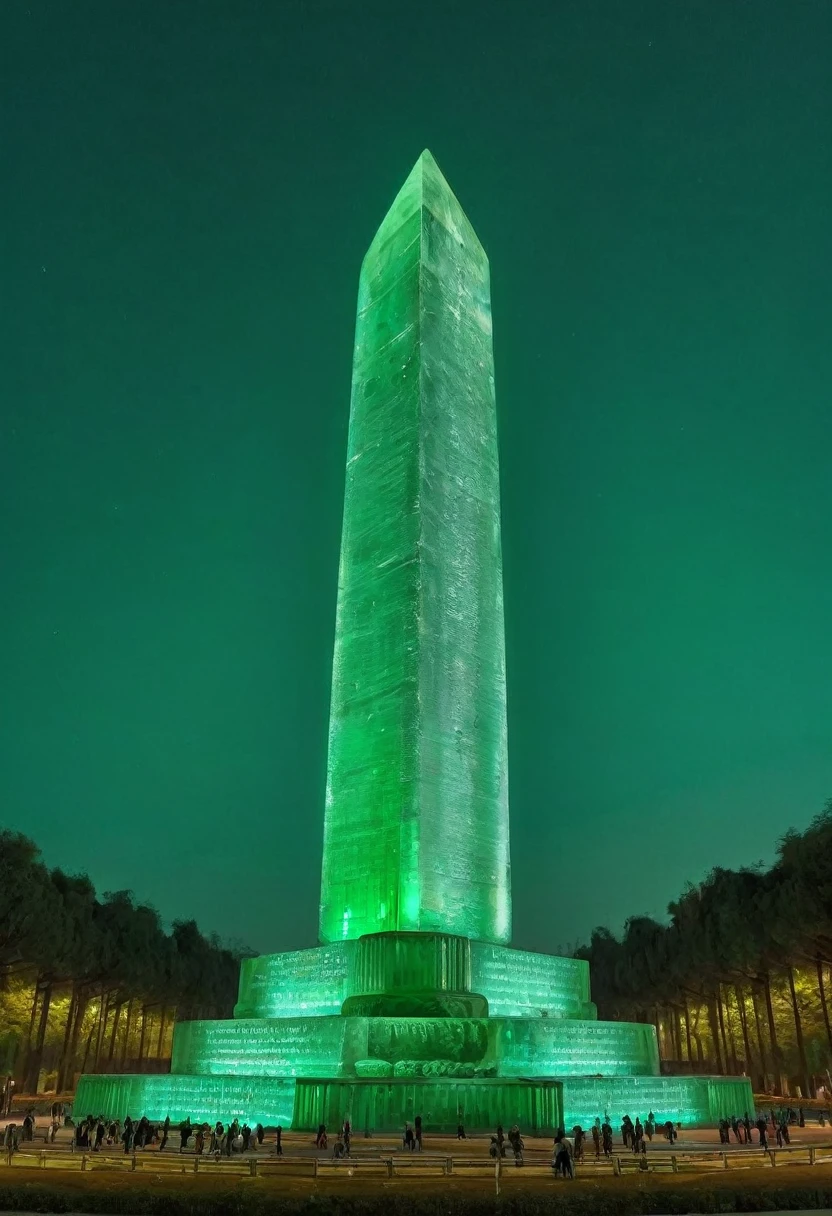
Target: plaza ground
[
  {"x": 47, "y": 1178},
  {"x": 757, "y": 1190}
]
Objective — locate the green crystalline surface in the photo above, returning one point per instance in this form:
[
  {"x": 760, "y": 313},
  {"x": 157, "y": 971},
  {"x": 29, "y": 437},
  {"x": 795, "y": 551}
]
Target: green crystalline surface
[
  {"x": 331, "y": 1046},
  {"x": 416, "y": 820},
  {"x": 271, "y": 1100},
  {"x": 296, "y": 983},
  {"x": 516, "y": 983},
  {"x": 522, "y": 984}
]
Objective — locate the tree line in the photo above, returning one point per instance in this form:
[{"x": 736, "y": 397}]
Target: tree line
[
  {"x": 738, "y": 980},
  {"x": 94, "y": 984}
]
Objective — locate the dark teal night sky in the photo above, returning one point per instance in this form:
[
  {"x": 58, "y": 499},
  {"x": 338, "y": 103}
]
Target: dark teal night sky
[{"x": 188, "y": 191}]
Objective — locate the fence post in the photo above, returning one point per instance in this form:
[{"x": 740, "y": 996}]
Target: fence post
[
  {"x": 133, "y": 1163},
  {"x": 42, "y": 1158},
  {"x": 389, "y": 1164},
  {"x": 497, "y": 1170},
  {"x": 812, "y": 1155},
  {"x": 674, "y": 1164},
  {"x": 314, "y": 1167},
  {"x": 725, "y": 1161},
  {"x": 773, "y": 1156},
  {"x": 449, "y": 1165},
  {"x": 196, "y": 1164},
  {"x": 616, "y": 1166},
  {"x": 83, "y": 1161},
  {"x": 252, "y": 1166}
]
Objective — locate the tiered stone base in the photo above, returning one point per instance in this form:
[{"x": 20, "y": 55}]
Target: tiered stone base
[
  {"x": 396, "y": 1019},
  {"x": 691, "y": 1101},
  {"x": 536, "y": 1106}
]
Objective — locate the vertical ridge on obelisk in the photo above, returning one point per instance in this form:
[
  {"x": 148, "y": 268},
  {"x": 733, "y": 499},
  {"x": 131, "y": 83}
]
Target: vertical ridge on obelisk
[{"x": 416, "y": 821}]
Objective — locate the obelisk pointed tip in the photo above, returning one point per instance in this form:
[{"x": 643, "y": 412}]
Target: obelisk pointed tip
[
  {"x": 425, "y": 189},
  {"x": 427, "y": 166}
]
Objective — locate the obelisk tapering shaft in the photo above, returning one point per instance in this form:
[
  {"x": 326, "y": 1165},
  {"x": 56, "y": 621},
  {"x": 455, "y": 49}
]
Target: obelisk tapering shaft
[{"x": 416, "y": 822}]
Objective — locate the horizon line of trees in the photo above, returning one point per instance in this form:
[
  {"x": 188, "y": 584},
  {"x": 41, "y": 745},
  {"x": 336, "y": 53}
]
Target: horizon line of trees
[
  {"x": 89, "y": 984},
  {"x": 738, "y": 980}
]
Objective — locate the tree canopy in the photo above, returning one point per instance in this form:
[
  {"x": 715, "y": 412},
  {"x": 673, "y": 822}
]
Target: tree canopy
[
  {"x": 736, "y": 980},
  {"x": 96, "y": 975}
]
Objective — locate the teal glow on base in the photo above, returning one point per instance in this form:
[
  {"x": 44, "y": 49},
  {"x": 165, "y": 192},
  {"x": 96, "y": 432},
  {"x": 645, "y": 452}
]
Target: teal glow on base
[{"x": 690, "y": 1101}]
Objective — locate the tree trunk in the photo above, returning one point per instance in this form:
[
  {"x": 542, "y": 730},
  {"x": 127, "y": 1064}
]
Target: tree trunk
[
  {"x": 160, "y": 1048},
  {"x": 760, "y": 1042},
  {"x": 823, "y": 1004},
  {"x": 713, "y": 1023},
  {"x": 30, "y": 1082},
  {"x": 798, "y": 1028},
  {"x": 722, "y": 1028},
  {"x": 100, "y": 1047},
  {"x": 126, "y": 1034},
  {"x": 80, "y": 1014},
  {"x": 687, "y": 1031},
  {"x": 116, "y": 1016},
  {"x": 731, "y": 1038},
  {"x": 677, "y": 1032},
  {"x": 103, "y": 1002},
  {"x": 141, "y": 1036},
  {"x": 70, "y": 1022},
  {"x": 87, "y": 1048},
  {"x": 772, "y": 1036},
  {"x": 24, "y": 1067},
  {"x": 739, "y": 993}
]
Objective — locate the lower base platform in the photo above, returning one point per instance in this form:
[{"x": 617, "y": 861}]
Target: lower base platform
[
  {"x": 387, "y": 1104},
  {"x": 691, "y": 1101}
]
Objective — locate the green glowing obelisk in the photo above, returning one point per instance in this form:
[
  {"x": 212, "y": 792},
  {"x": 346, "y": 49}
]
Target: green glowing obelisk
[{"x": 416, "y": 823}]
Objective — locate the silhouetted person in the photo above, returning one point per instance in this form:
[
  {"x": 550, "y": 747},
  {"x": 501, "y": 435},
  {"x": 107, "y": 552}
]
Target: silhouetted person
[
  {"x": 562, "y": 1163},
  {"x": 516, "y": 1142}
]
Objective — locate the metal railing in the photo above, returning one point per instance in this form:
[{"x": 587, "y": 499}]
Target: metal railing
[{"x": 388, "y": 1165}]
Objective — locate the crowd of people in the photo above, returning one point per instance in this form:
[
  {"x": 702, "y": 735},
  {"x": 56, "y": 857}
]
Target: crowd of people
[
  {"x": 95, "y": 1132},
  {"x": 775, "y": 1125}
]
